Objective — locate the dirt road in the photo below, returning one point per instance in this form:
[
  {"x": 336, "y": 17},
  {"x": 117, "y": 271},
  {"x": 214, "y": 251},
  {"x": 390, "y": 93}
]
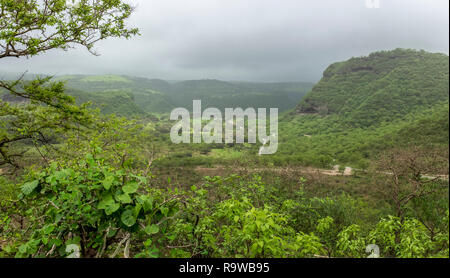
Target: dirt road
[
  {"x": 309, "y": 170},
  {"x": 348, "y": 171}
]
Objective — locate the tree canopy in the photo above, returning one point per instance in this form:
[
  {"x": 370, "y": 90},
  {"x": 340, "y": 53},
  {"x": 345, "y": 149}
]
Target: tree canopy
[{"x": 32, "y": 27}]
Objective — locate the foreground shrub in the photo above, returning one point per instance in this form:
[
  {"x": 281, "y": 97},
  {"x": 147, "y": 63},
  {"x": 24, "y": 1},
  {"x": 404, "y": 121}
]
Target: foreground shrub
[{"x": 83, "y": 208}]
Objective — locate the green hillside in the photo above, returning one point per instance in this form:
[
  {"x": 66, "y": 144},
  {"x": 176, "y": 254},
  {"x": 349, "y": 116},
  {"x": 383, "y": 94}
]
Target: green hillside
[
  {"x": 220, "y": 94},
  {"x": 326, "y": 141},
  {"x": 117, "y": 102},
  {"x": 361, "y": 107},
  {"x": 159, "y": 96},
  {"x": 384, "y": 86}
]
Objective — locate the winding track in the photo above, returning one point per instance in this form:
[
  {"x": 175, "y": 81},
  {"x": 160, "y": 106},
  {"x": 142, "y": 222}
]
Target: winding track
[{"x": 310, "y": 170}]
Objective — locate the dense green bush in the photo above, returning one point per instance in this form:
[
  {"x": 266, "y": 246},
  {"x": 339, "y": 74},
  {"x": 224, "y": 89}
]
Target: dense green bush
[
  {"x": 89, "y": 205},
  {"x": 86, "y": 208}
]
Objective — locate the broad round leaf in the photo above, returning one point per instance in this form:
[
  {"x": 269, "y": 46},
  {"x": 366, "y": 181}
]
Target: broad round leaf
[
  {"x": 128, "y": 218},
  {"x": 151, "y": 229},
  {"x": 105, "y": 202},
  {"x": 112, "y": 208},
  {"x": 124, "y": 199},
  {"x": 130, "y": 187},
  {"x": 107, "y": 182}
]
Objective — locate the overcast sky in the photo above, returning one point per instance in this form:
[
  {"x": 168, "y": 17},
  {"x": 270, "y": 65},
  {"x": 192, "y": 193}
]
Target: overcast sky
[{"x": 255, "y": 40}]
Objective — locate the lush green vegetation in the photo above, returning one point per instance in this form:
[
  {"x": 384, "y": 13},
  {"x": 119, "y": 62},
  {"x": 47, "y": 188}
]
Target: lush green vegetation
[
  {"x": 308, "y": 137},
  {"x": 102, "y": 210},
  {"x": 78, "y": 181},
  {"x": 110, "y": 102},
  {"x": 384, "y": 86},
  {"x": 158, "y": 96}
]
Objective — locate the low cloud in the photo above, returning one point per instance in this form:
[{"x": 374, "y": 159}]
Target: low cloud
[{"x": 257, "y": 40}]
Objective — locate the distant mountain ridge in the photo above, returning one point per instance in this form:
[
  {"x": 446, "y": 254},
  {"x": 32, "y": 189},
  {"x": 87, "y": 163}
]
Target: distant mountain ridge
[
  {"x": 136, "y": 96},
  {"x": 160, "y": 96}
]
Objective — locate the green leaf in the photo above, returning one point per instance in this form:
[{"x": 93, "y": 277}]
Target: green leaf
[
  {"x": 141, "y": 179},
  {"x": 108, "y": 182},
  {"x": 124, "y": 199},
  {"x": 29, "y": 187},
  {"x": 151, "y": 229},
  {"x": 147, "y": 243},
  {"x": 108, "y": 204},
  {"x": 110, "y": 209},
  {"x": 148, "y": 204},
  {"x": 137, "y": 210},
  {"x": 164, "y": 211},
  {"x": 48, "y": 229},
  {"x": 131, "y": 187},
  {"x": 107, "y": 200},
  {"x": 128, "y": 218}
]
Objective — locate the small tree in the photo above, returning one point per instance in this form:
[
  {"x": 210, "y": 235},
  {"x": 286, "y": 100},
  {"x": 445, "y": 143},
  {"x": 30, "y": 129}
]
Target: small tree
[
  {"x": 32, "y": 27},
  {"x": 404, "y": 175}
]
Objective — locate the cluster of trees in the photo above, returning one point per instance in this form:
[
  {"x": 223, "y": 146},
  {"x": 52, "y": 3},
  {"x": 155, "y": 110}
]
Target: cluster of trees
[{"x": 327, "y": 141}]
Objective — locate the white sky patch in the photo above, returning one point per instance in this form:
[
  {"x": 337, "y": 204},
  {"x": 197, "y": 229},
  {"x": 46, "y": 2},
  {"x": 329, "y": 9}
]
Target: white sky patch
[{"x": 255, "y": 40}]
